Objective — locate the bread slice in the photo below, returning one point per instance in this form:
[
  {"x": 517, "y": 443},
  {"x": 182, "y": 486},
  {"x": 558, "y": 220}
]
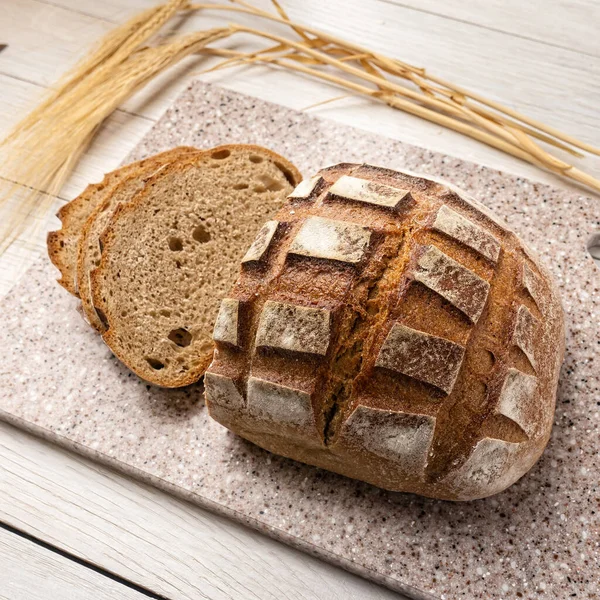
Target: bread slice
[
  {"x": 62, "y": 244},
  {"x": 88, "y": 247},
  {"x": 171, "y": 254}
]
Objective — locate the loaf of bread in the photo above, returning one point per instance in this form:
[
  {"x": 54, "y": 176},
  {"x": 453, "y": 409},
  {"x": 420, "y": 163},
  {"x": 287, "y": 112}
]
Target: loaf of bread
[
  {"x": 387, "y": 327},
  {"x": 172, "y": 252}
]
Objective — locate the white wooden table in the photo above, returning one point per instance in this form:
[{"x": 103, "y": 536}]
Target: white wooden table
[{"x": 71, "y": 529}]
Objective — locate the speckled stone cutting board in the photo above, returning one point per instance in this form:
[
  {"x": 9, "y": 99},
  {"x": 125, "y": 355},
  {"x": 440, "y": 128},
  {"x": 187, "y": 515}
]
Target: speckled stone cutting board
[{"x": 538, "y": 539}]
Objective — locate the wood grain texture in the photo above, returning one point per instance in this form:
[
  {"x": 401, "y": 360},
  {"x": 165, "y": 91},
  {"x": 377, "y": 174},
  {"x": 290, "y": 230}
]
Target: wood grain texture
[
  {"x": 32, "y": 572},
  {"x": 151, "y": 539},
  {"x": 525, "y": 19}
]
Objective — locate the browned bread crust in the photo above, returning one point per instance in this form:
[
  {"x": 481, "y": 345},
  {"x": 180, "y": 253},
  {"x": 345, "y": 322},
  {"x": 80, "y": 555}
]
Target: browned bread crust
[
  {"x": 387, "y": 327},
  {"x": 62, "y": 244}
]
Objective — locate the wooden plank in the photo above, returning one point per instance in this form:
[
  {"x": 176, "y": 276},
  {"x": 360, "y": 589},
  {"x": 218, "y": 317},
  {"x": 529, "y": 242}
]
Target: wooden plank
[
  {"x": 151, "y": 539},
  {"x": 523, "y": 19},
  {"x": 32, "y": 572},
  {"x": 568, "y": 24},
  {"x": 44, "y": 40},
  {"x": 47, "y": 39}
]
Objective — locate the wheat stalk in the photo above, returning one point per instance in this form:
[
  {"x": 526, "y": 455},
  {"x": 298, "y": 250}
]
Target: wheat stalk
[
  {"x": 511, "y": 139},
  {"x": 396, "y": 67},
  {"x": 115, "y": 47},
  {"x": 44, "y": 147}
]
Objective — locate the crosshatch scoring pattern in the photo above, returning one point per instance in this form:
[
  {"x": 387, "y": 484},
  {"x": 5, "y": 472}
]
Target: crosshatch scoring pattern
[{"x": 348, "y": 253}]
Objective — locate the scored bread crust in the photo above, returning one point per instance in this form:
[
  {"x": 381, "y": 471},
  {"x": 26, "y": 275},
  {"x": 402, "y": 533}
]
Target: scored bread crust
[
  {"x": 63, "y": 243},
  {"x": 102, "y": 286},
  {"x": 389, "y": 328},
  {"x": 88, "y": 250}
]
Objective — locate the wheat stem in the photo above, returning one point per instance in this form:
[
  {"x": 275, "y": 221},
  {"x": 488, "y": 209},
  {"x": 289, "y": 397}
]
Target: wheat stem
[
  {"x": 505, "y": 146},
  {"x": 244, "y": 7}
]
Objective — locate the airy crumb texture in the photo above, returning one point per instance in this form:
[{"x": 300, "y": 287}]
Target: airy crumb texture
[
  {"x": 63, "y": 244},
  {"x": 171, "y": 254},
  {"x": 88, "y": 250}
]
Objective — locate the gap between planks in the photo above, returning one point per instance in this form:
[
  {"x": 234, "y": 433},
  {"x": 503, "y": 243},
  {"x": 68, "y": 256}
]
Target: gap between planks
[
  {"x": 152, "y": 539},
  {"x": 52, "y": 573}
]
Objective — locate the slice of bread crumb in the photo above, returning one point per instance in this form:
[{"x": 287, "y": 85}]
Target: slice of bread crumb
[
  {"x": 62, "y": 244},
  {"x": 88, "y": 247},
  {"x": 172, "y": 253}
]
